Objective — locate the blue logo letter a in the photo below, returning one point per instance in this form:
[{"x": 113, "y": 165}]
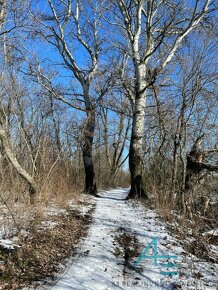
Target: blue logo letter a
[{"x": 153, "y": 245}]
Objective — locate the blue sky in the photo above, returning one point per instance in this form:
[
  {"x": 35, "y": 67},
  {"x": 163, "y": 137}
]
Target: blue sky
[{"x": 46, "y": 51}]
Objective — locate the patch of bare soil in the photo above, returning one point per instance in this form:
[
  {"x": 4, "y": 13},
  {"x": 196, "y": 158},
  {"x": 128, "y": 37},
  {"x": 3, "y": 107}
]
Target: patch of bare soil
[
  {"x": 127, "y": 248},
  {"x": 43, "y": 250}
]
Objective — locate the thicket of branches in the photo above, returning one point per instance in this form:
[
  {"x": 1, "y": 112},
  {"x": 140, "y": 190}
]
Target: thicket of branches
[{"x": 87, "y": 86}]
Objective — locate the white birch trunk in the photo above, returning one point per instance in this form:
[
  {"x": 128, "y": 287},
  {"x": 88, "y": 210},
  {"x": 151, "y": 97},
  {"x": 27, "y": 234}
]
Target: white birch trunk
[{"x": 136, "y": 143}]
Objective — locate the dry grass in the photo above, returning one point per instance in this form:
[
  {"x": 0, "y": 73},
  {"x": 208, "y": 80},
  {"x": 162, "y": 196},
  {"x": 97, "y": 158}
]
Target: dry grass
[
  {"x": 163, "y": 202},
  {"x": 190, "y": 229},
  {"x": 43, "y": 249}
]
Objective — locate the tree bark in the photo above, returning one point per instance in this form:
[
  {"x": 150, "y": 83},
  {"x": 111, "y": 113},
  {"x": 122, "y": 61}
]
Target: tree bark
[
  {"x": 87, "y": 147},
  {"x": 175, "y": 161},
  {"x": 90, "y": 184},
  {"x": 13, "y": 160},
  {"x": 136, "y": 164}
]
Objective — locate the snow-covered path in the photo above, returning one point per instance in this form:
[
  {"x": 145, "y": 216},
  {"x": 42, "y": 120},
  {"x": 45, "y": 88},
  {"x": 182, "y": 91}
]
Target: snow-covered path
[{"x": 100, "y": 264}]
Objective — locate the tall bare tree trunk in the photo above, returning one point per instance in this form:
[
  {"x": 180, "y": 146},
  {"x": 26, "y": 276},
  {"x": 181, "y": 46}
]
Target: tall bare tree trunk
[
  {"x": 90, "y": 184},
  {"x": 87, "y": 148},
  {"x": 136, "y": 164},
  {"x": 175, "y": 162}
]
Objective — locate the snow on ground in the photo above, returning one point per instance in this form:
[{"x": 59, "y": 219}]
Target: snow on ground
[
  {"x": 85, "y": 206},
  {"x": 213, "y": 232},
  {"x": 9, "y": 231},
  {"x": 98, "y": 267},
  {"x": 7, "y": 244}
]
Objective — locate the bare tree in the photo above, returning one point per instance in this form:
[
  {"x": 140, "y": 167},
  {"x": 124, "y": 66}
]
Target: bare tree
[
  {"x": 195, "y": 171},
  {"x": 7, "y": 15},
  {"x": 153, "y": 41},
  {"x": 70, "y": 28},
  {"x": 5, "y": 142}
]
